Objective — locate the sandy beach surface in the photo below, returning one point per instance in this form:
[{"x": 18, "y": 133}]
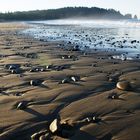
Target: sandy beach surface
[{"x": 91, "y": 95}]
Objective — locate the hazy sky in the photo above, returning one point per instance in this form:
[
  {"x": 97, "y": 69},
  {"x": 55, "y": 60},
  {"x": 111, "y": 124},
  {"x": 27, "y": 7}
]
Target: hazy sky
[{"x": 124, "y": 6}]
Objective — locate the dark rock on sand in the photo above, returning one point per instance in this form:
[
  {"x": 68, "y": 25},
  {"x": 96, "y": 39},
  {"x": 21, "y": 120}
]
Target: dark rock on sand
[
  {"x": 16, "y": 71},
  {"x": 45, "y": 137},
  {"x": 74, "y": 78},
  {"x": 63, "y": 130},
  {"x": 70, "y": 79},
  {"x": 22, "y": 105},
  {"x": 35, "y": 82},
  {"x": 65, "y": 80},
  {"x": 37, "y": 69},
  {"x": 12, "y": 66},
  {"x": 113, "y": 96},
  {"x": 93, "y": 119},
  {"x": 40, "y": 135},
  {"x": 49, "y": 66}
]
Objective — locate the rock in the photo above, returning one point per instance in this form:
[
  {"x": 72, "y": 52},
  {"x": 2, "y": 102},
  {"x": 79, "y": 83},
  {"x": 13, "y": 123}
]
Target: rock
[
  {"x": 75, "y": 78},
  {"x": 35, "y": 82},
  {"x": 22, "y": 105},
  {"x": 70, "y": 79},
  {"x": 96, "y": 119},
  {"x": 49, "y": 66},
  {"x": 112, "y": 79},
  {"x": 123, "y": 85},
  {"x": 66, "y": 131},
  {"x": 92, "y": 119},
  {"x": 12, "y": 66},
  {"x": 45, "y": 137},
  {"x": 63, "y": 130},
  {"x": 32, "y": 70},
  {"x": 16, "y": 71},
  {"x": 42, "y": 137},
  {"x": 54, "y": 126},
  {"x": 59, "y": 68},
  {"x": 88, "y": 119},
  {"x": 113, "y": 96},
  {"x": 65, "y": 80},
  {"x": 64, "y": 57},
  {"x": 42, "y": 69},
  {"x": 36, "y": 136}
]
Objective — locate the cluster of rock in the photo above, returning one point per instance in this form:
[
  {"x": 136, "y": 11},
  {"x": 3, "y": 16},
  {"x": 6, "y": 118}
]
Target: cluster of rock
[
  {"x": 56, "y": 128},
  {"x": 70, "y": 79},
  {"x": 13, "y": 68}
]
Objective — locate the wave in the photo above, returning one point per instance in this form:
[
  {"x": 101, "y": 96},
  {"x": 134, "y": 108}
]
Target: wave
[{"x": 93, "y": 23}]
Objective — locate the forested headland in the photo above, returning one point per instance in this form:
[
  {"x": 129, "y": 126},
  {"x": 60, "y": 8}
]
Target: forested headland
[{"x": 68, "y": 12}]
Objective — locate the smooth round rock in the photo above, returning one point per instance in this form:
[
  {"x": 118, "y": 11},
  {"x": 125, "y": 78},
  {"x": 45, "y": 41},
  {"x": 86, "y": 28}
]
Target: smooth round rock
[
  {"x": 123, "y": 85},
  {"x": 54, "y": 126}
]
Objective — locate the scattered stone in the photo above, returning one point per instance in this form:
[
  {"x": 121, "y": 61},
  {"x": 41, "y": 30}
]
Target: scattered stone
[
  {"x": 36, "y": 136},
  {"x": 45, "y": 137},
  {"x": 88, "y": 119},
  {"x": 65, "y": 80},
  {"x": 70, "y": 79},
  {"x": 113, "y": 96},
  {"x": 16, "y": 71},
  {"x": 22, "y": 105},
  {"x": 49, "y": 66},
  {"x": 112, "y": 79},
  {"x": 35, "y": 82},
  {"x": 12, "y": 66},
  {"x": 37, "y": 69},
  {"x": 123, "y": 85},
  {"x": 75, "y": 78},
  {"x": 63, "y": 130},
  {"x": 96, "y": 119},
  {"x": 42, "y": 69},
  {"x": 93, "y": 119}
]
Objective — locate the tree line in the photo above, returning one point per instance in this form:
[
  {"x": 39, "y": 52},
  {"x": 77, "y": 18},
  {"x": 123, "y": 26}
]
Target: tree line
[{"x": 61, "y": 13}]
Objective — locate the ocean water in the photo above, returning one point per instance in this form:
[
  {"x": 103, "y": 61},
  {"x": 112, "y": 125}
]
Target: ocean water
[{"x": 120, "y": 36}]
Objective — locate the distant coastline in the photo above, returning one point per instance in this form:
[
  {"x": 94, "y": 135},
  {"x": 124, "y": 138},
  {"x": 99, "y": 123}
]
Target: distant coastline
[{"x": 68, "y": 12}]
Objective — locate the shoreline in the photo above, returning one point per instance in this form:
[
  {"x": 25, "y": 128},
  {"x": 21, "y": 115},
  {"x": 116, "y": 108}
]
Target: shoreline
[
  {"x": 88, "y": 39},
  {"x": 54, "y": 83}
]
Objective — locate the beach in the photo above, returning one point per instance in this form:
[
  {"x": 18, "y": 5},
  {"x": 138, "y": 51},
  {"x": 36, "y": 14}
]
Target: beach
[{"x": 94, "y": 94}]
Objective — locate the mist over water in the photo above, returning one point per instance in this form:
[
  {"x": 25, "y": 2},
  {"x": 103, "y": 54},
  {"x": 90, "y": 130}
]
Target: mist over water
[
  {"x": 94, "y": 23},
  {"x": 93, "y": 34}
]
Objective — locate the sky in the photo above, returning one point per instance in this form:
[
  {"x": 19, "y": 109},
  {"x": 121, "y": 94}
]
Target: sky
[{"x": 124, "y": 6}]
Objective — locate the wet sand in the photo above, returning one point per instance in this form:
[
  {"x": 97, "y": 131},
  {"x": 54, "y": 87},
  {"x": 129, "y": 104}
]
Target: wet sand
[{"x": 71, "y": 86}]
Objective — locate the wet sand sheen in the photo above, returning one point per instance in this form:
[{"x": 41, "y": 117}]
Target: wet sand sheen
[{"x": 40, "y": 82}]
